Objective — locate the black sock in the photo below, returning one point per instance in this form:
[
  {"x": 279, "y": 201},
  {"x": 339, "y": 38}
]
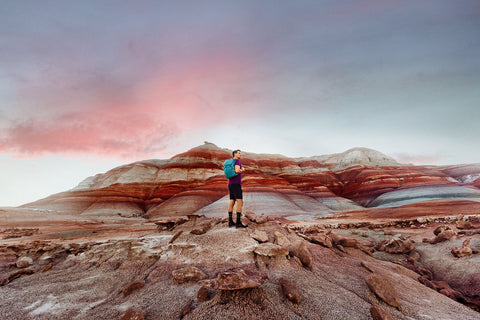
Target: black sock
[{"x": 239, "y": 223}]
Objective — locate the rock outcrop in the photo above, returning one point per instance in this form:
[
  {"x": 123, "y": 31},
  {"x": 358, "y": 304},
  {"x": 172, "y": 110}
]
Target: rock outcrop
[
  {"x": 396, "y": 245},
  {"x": 24, "y": 262},
  {"x": 132, "y": 314},
  {"x": 290, "y": 290},
  {"x": 464, "y": 251},
  {"x": 299, "y": 249},
  {"x": 384, "y": 289},
  {"x": 378, "y": 313},
  {"x": 302, "y": 188},
  {"x": 235, "y": 280},
  {"x": 464, "y": 224},
  {"x": 271, "y": 250},
  {"x": 114, "y": 270},
  {"x": 188, "y": 274},
  {"x": 442, "y": 236},
  {"x": 133, "y": 286},
  {"x": 260, "y": 236}
]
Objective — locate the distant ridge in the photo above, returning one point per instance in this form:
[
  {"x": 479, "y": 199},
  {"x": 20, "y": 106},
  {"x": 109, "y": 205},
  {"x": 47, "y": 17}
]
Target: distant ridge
[
  {"x": 354, "y": 157},
  {"x": 192, "y": 183}
]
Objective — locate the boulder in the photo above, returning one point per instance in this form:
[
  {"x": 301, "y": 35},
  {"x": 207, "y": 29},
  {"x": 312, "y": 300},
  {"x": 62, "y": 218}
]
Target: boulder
[
  {"x": 260, "y": 236},
  {"x": 188, "y": 274},
  {"x": 379, "y": 313},
  {"x": 290, "y": 290},
  {"x": 396, "y": 245},
  {"x": 461, "y": 224},
  {"x": 132, "y": 314},
  {"x": 270, "y": 250},
  {"x": 440, "y": 229},
  {"x": 383, "y": 289},
  {"x": 422, "y": 220},
  {"x": 442, "y": 236},
  {"x": 235, "y": 280},
  {"x": 24, "y": 262},
  {"x": 169, "y": 223},
  {"x": 203, "y": 227},
  {"x": 345, "y": 242},
  {"x": 348, "y": 243},
  {"x": 133, "y": 286},
  {"x": 203, "y": 294},
  {"x": 255, "y": 217},
  {"x": 281, "y": 239},
  {"x": 15, "y": 275},
  {"x": 300, "y": 250},
  {"x": 464, "y": 251},
  {"x": 322, "y": 240}
]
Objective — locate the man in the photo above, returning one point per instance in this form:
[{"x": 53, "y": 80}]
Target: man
[{"x": 235, "y": 189}]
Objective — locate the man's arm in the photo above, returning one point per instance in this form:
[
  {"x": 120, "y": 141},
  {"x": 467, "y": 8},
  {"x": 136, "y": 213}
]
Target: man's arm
[{"x": 238, "y": 169}]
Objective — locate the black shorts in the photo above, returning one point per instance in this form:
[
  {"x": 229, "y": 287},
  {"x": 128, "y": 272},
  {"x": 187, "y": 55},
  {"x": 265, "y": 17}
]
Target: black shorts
[{"x": 235, "y": 191}]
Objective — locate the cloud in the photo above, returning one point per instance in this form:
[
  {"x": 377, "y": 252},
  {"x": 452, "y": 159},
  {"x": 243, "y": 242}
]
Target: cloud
[
  {"x": 137, "y": 82},
  {"x": 416, "y": 159},
  {"x": 108, "y": 116},
  {"x": 106, "y": 134}
]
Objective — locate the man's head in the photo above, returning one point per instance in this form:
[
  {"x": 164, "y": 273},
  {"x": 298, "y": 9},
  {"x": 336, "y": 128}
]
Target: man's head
[{"x": 236, "y": 154}]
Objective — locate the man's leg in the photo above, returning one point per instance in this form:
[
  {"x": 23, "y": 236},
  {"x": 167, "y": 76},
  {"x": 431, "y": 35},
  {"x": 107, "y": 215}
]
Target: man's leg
[
  {"x": 230, "y": 205},
  {"x": 230, "y": 213},
  {"x": 239, "y": 223},
  {"x": 239, "y": 205}
]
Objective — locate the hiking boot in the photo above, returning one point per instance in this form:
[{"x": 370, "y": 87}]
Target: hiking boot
[
  {"x": 230, "y": 220},
  {"x": 239, "y": 223}
]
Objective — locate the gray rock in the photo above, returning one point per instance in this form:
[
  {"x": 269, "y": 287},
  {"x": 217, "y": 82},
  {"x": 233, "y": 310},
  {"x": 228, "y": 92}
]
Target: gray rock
[
  {"x": 260, "y": 236},
  {"x": 235, "y": 280},
  {"x": 270, "y": 250},
  {"x": 24, "y": 262},
  {"x": 188, "y": 274}
]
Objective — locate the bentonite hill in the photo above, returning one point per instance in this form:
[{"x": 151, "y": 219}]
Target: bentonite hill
[{"x": 354, "y": 235}]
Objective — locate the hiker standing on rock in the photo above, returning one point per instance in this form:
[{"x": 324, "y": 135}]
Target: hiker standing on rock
[{"x": 233, "y": 171}]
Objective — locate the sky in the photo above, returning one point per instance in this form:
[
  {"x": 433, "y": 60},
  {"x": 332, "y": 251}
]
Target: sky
[{"x": 86, "y": 86}]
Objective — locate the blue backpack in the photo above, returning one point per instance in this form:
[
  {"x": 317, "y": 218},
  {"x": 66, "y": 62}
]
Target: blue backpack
[{"x": 229, "y": 168}]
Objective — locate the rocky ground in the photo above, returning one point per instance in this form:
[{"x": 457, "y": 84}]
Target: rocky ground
[{"x": 57, "y": 266}]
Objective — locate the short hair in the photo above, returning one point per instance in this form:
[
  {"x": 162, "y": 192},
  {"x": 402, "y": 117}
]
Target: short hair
[{"x": 235, "y": 151}]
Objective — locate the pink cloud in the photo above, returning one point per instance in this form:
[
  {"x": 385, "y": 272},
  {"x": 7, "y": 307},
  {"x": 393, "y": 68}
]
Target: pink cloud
[
  {"x": 416, "y": 159},
  {"x": 138, "y": 123},
  {"x": 98, "y": 133}
]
